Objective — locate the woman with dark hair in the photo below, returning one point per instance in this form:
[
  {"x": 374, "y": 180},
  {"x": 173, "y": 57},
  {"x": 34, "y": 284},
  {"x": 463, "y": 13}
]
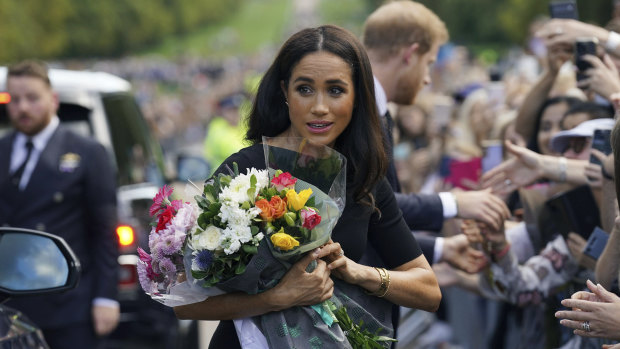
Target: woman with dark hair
[
  {"x": 548, "y": 122},
  {"x": 320, "y": 87}
]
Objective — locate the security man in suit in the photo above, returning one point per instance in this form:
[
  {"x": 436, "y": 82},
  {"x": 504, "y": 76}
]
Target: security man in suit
[{"x": 54, "y": 180}]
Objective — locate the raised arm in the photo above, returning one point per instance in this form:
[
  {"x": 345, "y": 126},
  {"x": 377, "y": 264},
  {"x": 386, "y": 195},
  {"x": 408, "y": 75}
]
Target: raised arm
[{"x": 526, "y": 118}]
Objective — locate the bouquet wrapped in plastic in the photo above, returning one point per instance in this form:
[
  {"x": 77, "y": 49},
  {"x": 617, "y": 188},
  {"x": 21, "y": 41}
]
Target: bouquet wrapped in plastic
[{"x": 246, "y": 230}]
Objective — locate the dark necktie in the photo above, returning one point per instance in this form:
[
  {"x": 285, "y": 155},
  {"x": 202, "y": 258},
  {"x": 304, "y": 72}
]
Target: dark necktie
[{"x": 17, "y": 175}]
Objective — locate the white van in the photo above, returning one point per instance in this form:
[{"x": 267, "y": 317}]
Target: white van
[{"x": 102, "y": 106}]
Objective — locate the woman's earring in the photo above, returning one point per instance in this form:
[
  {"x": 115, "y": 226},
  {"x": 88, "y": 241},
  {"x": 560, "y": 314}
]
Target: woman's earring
[{"x": 286, "y": 102}]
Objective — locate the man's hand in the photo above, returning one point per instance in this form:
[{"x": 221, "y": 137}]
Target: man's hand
[
  {"x": 482, "y": 206},
  {"x": 458, "y": 253},
  {"x": 105, "y": 319}
]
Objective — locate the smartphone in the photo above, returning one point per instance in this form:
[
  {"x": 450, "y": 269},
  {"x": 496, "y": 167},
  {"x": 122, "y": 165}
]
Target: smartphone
[
  {"x": 584, "y": 46},
  {"x": 493, "y": 154},
  {"x": 601, "y": 141},
  {"x": 563, "y": 9},
  {"x": 442, "y": 114},
  {"x": 596, "y": 243}
]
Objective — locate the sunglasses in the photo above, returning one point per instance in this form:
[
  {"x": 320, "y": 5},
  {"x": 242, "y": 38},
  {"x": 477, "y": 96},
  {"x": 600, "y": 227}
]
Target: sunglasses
[{"x": 577, "y": 144}]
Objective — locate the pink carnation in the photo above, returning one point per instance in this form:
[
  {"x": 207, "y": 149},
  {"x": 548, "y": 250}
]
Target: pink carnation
[
  {"x": 160, "y": 200},
  {"x": 284, "y": 180}
]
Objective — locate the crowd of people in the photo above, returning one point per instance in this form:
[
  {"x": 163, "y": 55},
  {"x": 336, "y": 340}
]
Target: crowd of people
[
  {"x": 498, "y": 171},
  {"x": 485, "y": 195}
]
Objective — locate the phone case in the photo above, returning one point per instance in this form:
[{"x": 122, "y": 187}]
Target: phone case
[{"x": 596, "y": 243}]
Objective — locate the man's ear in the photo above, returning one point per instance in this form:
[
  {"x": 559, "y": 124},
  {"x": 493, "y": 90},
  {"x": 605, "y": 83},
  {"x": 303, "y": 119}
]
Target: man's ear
[
  {"x": 283, "y": 87},
  {"x": 56, "y": 101},
  {"x": 409, "y": 51}
]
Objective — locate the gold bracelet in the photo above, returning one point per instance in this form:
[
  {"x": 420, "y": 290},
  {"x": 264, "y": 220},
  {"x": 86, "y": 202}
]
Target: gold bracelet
[{"x": 385, "y": 283}]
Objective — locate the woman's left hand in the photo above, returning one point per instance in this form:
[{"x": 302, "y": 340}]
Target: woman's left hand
[
  {"x": 595, "y": 314},
  {"x": 337, "y": 262}
]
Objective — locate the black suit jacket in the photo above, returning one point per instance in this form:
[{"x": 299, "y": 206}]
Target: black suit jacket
[
  {"x": 77, "y": 201},
  {"x": 421, "y": 212}
]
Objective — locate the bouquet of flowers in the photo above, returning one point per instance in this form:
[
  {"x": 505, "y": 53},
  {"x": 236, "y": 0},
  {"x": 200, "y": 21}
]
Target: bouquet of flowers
[
  {"x": 246, "y": 229},
  {"x": 159, "y": 271},
  {"x": 239, "y": 211}
]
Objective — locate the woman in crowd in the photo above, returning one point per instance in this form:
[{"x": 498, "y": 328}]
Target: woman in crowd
[
  {"x": 320, "y": 87},
  {"x": 597, "y": 313}
]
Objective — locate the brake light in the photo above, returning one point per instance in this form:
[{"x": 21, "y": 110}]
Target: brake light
[
  {"x": 5, "y": 97},
  {"x": 125, "y": 235}
]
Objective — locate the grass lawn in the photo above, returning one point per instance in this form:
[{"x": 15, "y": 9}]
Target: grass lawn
[{"x": 258, "y": 23}]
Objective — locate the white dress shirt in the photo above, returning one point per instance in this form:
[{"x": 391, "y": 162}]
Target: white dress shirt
[{"x": 19, "y": 152}]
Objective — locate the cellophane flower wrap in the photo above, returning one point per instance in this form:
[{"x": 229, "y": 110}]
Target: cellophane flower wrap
[{"x": 254, "y": 225}]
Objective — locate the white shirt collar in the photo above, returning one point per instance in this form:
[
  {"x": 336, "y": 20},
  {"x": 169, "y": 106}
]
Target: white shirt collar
[
  {"x": 380, "y": 97},
  {"x": 39, "y": 141}
]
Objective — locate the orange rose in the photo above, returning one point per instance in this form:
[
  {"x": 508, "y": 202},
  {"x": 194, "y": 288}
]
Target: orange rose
[
  {"x": 278, "y": 205},
  {"x": 266, "y": 210}
]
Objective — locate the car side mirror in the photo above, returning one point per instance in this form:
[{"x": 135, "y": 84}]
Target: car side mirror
[{"x": 35, "y": 263}]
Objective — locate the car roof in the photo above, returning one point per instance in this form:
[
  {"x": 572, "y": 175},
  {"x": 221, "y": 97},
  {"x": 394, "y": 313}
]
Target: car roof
[{"x": 63, "y": 79}]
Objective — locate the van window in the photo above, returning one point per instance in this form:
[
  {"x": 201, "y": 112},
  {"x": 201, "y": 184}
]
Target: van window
[
  {"x": 138, "y": 157},
  {"x": 72, "y": 116}
]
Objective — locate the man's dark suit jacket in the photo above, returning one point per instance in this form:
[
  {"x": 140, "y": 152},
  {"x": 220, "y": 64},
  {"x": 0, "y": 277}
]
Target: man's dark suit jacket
[
  {"x": 420, "y": 211},
  {"x": 71, "y": 193}
]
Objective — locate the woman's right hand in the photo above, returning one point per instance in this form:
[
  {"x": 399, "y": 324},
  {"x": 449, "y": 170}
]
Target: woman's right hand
[
  {"x": 521, "y": 170},
  {"x": 299, "y": 287}
]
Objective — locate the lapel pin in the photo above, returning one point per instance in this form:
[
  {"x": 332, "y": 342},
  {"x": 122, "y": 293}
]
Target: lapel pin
[{"x": 69, "y": 162}]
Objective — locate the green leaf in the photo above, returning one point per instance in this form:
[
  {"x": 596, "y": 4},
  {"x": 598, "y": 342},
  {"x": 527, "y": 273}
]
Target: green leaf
[
  {"x": 310, "y": 202},
  {"x": 254, "y": 229},
  {"x": 203, "y": 221},
  {"x": 251, "y": 249},
  {"x": 251, "y": 194},
  {"x": 240, "y": 268},
  {"x": 235, "y": 169}
]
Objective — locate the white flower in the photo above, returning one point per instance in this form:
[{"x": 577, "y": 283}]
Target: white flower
[
  {"x": 208, "y": 239},
  {"x": 237, "y": 190},
  {"x": 262, "y": 178},
  {"x": 234, "y": 215}
]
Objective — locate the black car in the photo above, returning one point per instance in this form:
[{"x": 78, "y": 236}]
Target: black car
[{"x": 33, "y": 263}]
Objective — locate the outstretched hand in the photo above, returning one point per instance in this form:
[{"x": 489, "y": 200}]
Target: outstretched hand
[
  {"x": 599, "y": 308},
  {"x": 566, "y": 31},
  {"x": 522, "y": 170}
]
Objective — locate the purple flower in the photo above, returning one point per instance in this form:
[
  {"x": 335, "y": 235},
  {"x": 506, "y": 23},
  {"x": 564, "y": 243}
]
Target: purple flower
[
  {"x": 172, "y": 243},
  {"x": 145, "y": 275},
  {"x": 166, "y": 266},
  {"x": 203, "y": 259}
]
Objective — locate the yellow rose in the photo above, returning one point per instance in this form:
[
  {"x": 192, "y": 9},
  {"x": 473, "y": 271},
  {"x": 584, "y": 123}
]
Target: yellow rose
[
  {"x": 297, "y": 201},
  {"x": 283, "y": 241}
]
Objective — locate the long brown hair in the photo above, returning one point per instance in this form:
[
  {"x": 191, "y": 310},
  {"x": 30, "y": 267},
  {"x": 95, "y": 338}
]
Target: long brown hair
[{"x": 361, "y": 142}]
